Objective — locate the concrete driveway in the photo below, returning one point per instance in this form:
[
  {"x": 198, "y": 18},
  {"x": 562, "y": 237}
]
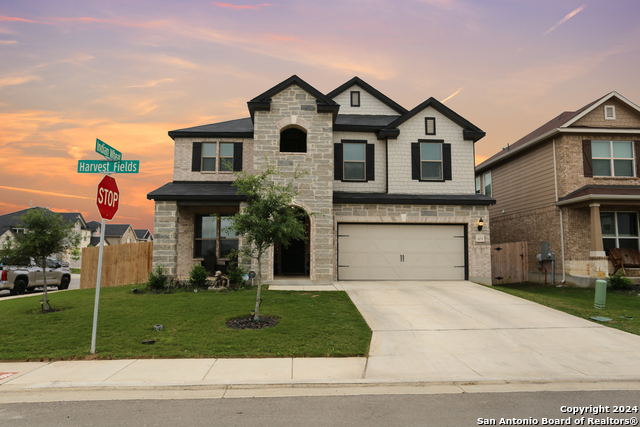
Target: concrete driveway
[{"x": 461, "y": 331}]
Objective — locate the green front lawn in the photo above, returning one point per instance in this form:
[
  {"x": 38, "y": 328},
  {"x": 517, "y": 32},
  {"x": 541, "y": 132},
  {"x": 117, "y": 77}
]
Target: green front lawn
[
  {"x": 579, "y": 302},
  {"x": 312, "y": 324}
]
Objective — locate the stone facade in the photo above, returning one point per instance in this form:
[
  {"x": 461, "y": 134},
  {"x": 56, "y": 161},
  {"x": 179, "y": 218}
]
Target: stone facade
[
  {"x": 479, "y": 252},
  {"x": 165, "y": 246},
  {"x": 316, "y": 187}
]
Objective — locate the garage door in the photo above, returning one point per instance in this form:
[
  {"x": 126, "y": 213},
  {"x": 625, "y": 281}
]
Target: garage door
[{"x": 401, "y": 252}]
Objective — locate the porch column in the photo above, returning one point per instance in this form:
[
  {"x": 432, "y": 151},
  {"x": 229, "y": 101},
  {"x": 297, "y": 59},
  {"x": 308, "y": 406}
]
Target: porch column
[{"x": 596, "y": 231}]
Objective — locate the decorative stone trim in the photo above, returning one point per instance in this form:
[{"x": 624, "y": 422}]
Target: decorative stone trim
[{"x": 293, "y": 121}]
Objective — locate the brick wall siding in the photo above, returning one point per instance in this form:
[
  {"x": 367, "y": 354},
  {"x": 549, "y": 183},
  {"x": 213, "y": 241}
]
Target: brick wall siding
[{"x": 182, "y": 156}]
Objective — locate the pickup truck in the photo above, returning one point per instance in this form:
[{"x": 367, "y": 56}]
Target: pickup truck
[{"x": 20, "y": 279}]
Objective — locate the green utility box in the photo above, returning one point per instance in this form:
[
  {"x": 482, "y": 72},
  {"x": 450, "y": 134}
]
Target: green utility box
[{"x": 601, "y": 293}]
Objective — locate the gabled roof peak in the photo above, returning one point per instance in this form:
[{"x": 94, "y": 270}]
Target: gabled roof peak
[{"x": 371, "y": 90}]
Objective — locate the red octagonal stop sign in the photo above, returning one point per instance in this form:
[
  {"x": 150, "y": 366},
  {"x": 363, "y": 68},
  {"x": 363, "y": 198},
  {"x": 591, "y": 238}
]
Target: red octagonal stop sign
[{"x": 108, "y": 197}]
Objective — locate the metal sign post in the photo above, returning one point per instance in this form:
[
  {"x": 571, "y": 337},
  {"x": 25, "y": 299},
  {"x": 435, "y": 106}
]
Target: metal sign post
[{"x": 95, "y": 309}]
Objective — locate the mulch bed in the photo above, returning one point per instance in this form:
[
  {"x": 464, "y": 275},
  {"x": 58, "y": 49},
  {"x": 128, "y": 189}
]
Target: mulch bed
[{"x": 248, "y": 323}]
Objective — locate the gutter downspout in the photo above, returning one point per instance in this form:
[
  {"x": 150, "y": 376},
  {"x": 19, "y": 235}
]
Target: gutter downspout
[
  {"x": 386, "y": 165},
  {"x": 555, "y": 177}
]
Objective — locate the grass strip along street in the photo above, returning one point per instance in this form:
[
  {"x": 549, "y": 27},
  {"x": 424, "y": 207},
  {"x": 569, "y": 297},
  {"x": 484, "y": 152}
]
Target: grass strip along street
[
  {"x": 622, "y": 308},
  {"x": 311, "y": 324}
]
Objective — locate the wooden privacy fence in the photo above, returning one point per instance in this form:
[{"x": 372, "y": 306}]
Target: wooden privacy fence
[
  {"x": 121, "y": 265},
  {"x": 509, "y": 263}
]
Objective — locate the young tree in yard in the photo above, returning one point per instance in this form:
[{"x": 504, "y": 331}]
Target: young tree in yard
[
  {"x": 46, "y": 233},
  {"x": 268, "y": 217}
]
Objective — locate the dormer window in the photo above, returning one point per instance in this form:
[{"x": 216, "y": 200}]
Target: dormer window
[
  {"x": 355, "y": 98},
  {"x": 609, "y": 112},
  {"x": 293, "y": 140}
]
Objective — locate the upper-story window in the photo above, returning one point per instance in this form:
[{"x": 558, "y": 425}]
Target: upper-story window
[
  {"x": 355, "y": 161},
  {"x": 486, "y": 178},
  {"x": 216, "y": 157},
  {"x": 612, "y": 158},
  {"x": 430, "y": 126},
  {"x": 293, "y": 140},
  {"x": 430, "y": 161},
  {"x": 355, "y": 98}
]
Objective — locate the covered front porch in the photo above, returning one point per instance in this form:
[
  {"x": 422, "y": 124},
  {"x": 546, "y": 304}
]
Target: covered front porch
[{"x": 596, "y": 219}]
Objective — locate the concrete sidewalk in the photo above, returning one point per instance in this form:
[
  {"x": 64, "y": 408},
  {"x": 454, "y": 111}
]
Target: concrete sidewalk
[{"x": 428, "y": 337}]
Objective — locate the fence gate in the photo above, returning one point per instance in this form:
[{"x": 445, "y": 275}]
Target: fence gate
[{"x": 509, "y": 263}]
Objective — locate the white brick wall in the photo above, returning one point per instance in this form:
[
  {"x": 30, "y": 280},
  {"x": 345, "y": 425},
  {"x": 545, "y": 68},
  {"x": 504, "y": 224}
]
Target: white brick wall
[
  {"x": 182, "y": 160},
  {"x": 462, "y": 162},
  {"x": 375, "y": 186},
  {"x": 368, "y": 104}
]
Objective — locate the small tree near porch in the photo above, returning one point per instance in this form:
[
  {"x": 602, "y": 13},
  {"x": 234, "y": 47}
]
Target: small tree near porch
[
  {"x": 268, "y": 217},
  {"x": 46, "y": 233}
]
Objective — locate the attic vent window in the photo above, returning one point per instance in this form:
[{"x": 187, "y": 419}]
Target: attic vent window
[
  {"x": 430, "y": 126},
  {"x": 609, "y": 112},
  {"x": 355, "y": 98}
]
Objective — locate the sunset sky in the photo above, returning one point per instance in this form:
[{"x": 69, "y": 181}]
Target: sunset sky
[{"x": 129, "y": 71}]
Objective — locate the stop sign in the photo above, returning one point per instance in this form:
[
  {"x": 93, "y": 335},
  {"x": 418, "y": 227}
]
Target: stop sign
[{"x": 108, "y": 197}]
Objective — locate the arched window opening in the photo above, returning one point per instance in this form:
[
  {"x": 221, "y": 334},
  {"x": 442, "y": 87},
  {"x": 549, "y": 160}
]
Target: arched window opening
[{"x": 293, "y": 140}]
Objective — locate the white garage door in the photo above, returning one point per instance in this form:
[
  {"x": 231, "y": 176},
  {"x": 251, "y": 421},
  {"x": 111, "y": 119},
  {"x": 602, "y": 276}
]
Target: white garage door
[{"x": 401, "y": 252}]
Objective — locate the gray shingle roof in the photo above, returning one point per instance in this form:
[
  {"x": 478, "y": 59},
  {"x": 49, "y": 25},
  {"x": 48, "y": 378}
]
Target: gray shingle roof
[
  {"x": 196, "y": 190},
  {"x": 239, "y": 128},
  {"x": 116, "y": 229},
  {"x": 141, "y": 233}
]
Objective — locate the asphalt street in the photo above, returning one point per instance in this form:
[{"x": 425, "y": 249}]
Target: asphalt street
[{"x": 433, "y": 410}]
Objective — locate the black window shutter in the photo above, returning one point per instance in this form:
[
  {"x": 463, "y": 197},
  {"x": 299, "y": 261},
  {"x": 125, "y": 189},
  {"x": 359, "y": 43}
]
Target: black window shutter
[
  {"x": 415, "y": 160},
  {"x": 196, "y": 157},
  {"x": 370, "y": 156},
  {"x": 237, "y": 156},
  {"x": 337, "y": 162},
  {"x": 446, "y": 162},
  {"x": 587, "y": 162},
  {"x": 637, "y": 144}
]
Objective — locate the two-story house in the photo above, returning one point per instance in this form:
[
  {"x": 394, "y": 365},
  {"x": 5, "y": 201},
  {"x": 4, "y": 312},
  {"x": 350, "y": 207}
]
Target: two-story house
[
  {"x": 575, "y": 183},
  {"x": 393, "y": 189}
]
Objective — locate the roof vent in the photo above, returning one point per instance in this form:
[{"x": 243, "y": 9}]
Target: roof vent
[{"x": 609, "y": 112}]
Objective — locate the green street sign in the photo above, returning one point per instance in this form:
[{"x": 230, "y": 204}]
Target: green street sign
[
  {"x": 106, "y": 166},
  {"x": 107, "y": 150}
]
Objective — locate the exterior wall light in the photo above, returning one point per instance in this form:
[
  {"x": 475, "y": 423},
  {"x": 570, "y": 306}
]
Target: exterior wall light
[{"x": 480, "y": 224}]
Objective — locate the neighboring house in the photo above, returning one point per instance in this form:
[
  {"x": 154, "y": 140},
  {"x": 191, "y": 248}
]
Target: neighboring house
[
  {"x": 575, "y": 183},
  {"x": 9, "y": 227},
  {"x": 119, "y": 234},
  {"x": 394, "y": 189},
  {"x": 94, "y": 227},
  {"x": 143, "y": 235}
]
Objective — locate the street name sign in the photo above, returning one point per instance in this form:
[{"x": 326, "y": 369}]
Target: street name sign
[
  {"x": 107, "y": 166},
  {"x": 107, "y": 150}
]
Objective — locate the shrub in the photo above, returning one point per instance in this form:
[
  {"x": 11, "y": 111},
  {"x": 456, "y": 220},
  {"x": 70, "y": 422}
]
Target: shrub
[
  {"x": 619, "y": 282},
  {"x": 198, "y": 277},
  {"x": 235, "y": 271},
  {"x": 158, "y": 279}
]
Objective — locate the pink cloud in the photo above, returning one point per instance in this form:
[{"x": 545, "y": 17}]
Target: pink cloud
[
  {"x": 286, "y": 39},
  {"x": 233, "y": 6},
  {"x": 12, "y": 18}
]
